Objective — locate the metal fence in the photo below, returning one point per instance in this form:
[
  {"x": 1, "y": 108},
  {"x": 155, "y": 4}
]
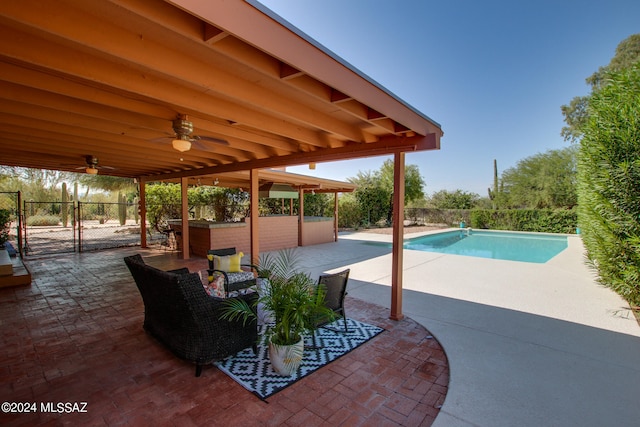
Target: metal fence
[
  {"x": 57, "y": 227},
  {"x": 62, "y": 227},
  {"x": 49, "y": 227},
  {"x": 107, "y": 225}
]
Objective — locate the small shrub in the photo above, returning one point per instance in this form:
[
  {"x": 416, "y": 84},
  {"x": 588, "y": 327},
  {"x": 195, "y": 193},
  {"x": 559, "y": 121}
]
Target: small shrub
[
  {"x": 43, "y": 220},
  {"x": 349, "y": 213}
]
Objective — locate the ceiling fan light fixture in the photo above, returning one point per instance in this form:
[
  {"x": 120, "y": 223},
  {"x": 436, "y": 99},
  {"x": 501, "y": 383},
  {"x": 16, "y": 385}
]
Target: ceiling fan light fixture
[
  {"x": 91, "y": 170},
  {"x": 181, "y": 145}
]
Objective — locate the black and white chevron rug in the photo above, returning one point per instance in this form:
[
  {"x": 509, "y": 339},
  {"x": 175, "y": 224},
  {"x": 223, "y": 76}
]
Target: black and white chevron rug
[{"x": 254, "y": 372}]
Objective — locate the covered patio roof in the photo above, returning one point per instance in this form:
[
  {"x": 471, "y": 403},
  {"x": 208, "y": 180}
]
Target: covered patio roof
[
  {"x": 107, "y": 79},
  {"x": 118, "y": 80},
  {"x": 241, "y": 179}
]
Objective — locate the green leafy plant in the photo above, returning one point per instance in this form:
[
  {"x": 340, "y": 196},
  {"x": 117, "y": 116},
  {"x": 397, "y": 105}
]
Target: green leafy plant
[
  {"x": 5, "y": 221},
  {"x": 609, "y": 183},
  {"x": 291, "y": 297}
]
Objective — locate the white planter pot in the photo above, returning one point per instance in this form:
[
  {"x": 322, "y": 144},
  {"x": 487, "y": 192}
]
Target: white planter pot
[{"x": 286, "y": 359}]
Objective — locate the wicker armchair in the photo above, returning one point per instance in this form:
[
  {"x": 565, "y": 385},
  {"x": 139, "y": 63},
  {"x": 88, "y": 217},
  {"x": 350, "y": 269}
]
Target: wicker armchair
[
  {"x": 179, "y": 313},
  {"x": 336, "y": 289},
  {"x": 335, "y": 286}
]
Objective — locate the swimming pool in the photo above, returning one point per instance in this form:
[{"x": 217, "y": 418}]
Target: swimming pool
[{"x": 510, "y": 246}]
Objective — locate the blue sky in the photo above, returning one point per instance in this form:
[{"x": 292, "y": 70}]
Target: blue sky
[{"x": 493, "y": 73}]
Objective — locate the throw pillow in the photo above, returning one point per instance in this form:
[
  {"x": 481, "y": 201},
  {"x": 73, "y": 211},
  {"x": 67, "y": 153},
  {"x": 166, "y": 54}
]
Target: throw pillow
[
  {"x": 214, "y": 285},
  {"x": 229, "y": 263}
]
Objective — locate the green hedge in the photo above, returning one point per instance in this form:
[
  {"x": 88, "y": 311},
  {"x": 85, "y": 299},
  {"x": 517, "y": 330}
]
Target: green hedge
[
  {"x": 539, "y": 220},
  {"x": 609, "y": 183}
]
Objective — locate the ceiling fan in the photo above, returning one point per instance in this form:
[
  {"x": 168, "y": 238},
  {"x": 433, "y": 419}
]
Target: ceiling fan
[
  {"x": 92, "y": 165},
  {"x": 183, "y": 139}
]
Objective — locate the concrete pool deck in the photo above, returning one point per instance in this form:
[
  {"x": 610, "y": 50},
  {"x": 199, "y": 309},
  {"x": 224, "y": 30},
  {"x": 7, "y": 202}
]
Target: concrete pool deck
[{"x": 527, "y": 344}]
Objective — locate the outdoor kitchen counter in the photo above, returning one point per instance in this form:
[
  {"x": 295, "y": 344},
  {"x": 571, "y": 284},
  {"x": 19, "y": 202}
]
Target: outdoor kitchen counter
[
  {"x": 275, "y": 232},
  {"x": 201, "y": 223},
  {"x": 205, "y": 235}
]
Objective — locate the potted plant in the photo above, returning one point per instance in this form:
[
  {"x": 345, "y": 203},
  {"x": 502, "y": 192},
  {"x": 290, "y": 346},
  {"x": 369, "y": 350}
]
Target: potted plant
[
  {"x": 293, "y": 302},
  {"x": 5, "y": 221}
]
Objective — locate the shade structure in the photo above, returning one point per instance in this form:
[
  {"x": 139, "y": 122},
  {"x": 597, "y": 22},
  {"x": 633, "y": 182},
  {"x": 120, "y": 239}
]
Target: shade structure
[
  {"x": 110, "y": 78},
  {"x": 273, "y": 190}
]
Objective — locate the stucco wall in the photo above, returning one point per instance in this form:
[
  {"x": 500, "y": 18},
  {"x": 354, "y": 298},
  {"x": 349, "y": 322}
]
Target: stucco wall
[
  {"x": 317, "y": 230},
  {"x": 278, "y": 232}
]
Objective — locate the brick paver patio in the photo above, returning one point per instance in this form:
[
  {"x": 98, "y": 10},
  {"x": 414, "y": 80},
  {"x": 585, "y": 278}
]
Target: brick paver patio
[{"x": 76, "y": 336}]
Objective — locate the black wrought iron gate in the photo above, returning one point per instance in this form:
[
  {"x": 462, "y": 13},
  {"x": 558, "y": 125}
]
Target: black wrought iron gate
[{"x": 59, "y": 227}]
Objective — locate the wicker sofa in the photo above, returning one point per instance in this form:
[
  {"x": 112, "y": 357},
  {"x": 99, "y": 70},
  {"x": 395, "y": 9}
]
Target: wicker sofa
[{"x": 179, "y": 313}]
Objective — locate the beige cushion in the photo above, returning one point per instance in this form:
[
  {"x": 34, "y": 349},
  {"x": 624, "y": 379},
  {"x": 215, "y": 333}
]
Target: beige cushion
[{"x": 229, "y": 263}]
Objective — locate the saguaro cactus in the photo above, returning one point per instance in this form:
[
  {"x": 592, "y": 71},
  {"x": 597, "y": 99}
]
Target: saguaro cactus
[
  {"x": 494, "y": 193},
  {"x": 75, "y": 201},
  {"x": 64, "y": 209},
  {"x": 122, "y": 208},
  {"x": 136, "y": 212}
]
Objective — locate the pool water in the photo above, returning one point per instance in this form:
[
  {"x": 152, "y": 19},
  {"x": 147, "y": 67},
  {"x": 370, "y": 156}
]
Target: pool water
[{"x": 511, "y": 246}]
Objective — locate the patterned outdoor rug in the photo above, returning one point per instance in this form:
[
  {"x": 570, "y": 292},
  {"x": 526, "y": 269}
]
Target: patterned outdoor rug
[{"x": 254, "y": 372}]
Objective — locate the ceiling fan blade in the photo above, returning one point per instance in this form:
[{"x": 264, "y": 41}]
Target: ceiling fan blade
[
  {"x": 204, "y": 145},
  {"x": 211, "y": 139},
  {"x": 163, "y": 139}
]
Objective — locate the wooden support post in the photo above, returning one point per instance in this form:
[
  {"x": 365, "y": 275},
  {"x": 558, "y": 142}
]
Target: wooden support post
[
  {"x": 184, "y": 202},
  {"x": 21, "y": 224},
  {"x": 335, "y": 216},
  {"x": 398, "y": 237},
  {"x": 300, "y": 216},
  {"x": 254, "y": 231},
  {"x": 142, "y": 211}
]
